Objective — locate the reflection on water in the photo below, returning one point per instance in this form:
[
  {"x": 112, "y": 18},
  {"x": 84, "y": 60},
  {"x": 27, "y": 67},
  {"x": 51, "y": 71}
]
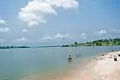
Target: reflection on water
[{"x": 70, "y": 60}]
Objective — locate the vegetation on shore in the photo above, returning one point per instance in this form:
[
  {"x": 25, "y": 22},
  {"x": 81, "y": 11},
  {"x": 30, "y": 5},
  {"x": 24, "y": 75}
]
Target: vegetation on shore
[
  {"x": 100, "y": 42},
  {"x": 9, "y": 47}
]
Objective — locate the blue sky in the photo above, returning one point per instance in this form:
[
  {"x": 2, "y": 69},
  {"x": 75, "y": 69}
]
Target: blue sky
[{"x": 48, "y": 22}]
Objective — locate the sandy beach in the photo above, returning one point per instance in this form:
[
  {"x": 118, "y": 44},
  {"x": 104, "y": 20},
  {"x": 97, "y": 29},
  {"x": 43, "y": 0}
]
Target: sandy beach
[{"x": 102, "y": 67}]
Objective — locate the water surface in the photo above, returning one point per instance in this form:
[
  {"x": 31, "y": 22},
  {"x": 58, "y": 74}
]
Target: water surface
[{"x": 16, "y": 64}]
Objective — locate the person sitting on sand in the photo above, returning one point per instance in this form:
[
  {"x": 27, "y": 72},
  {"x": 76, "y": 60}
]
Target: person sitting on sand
[
  {"x": 115, "y": 57},
  {"x": 118, "y": 55}
]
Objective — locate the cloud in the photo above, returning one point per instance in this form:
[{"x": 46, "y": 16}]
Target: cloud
[
  {"x": 33, "y": 23},
  {"x": 22, "y": 39},
  {"x": 56, "y": 36},
  {"x": 47, "y": 37},
  {"x": 101, "y": 32},
  {"x": 4, "y": 29},
  {"x": 64, "y": 3},
  {"x": 2, "y": 22},
  {"x": 83, "y": 35},
  {"x": 61, "y": 36},
  {"x": 24, "y": 30},
  {"x": 35, "y": 11}
]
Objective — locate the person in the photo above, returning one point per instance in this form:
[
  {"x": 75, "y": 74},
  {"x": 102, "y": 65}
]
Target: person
[
  {"x": 70, "y": 57},
  {"x": 118, "y": 55},
  {"x": 115, "y": 57}
]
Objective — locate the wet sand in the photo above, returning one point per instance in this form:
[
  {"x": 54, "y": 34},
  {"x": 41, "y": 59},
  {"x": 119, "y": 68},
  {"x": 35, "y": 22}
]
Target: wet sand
[{"x": 100, "y": 68}]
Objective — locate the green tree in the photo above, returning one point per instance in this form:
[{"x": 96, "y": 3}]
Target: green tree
[{"x": 75, "y": 43}]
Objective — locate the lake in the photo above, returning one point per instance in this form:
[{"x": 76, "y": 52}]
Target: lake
[{"x": 15, "y": 64}]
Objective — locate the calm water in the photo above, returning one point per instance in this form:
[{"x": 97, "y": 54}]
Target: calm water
[{"x": 18, "y": 63}]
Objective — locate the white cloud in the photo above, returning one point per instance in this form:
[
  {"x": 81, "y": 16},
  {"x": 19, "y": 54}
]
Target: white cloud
[
  {"x": 4, "y": 29},
  {"x": 34, "y": 12},
  {"x": 61, "y": 36},
  {"x": 101, "y": 32},
  {"x": 47, "y": 37},
  {"x": 22, "y": 39},
  {"x": 64, "y": 3},
  {"x": 3, "y": 22},
  {"x": 56, "y": 36},
  {"x": 24, "y": 30},
  {"x": 32, "y": 23},
  {"x": 83, "y": 35}
]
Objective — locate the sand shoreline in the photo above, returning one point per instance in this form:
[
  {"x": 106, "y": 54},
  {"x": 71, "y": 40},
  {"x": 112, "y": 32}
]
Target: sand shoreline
[{"x": 102, "y": 67}]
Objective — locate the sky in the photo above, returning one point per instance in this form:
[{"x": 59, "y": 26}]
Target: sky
[{"x": 51, "y": 22}]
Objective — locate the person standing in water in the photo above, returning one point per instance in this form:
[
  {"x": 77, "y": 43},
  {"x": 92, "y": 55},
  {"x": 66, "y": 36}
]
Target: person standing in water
[{"x": 70, "y": 57}]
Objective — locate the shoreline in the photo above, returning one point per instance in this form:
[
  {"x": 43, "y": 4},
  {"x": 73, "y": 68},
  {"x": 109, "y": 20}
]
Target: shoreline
[{"x": 102, "y": 67}]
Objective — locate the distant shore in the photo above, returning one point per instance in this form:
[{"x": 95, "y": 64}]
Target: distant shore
[
  {"x": 10, "y": 47},
  {"x": 100, "y": 42},
  {"x": 13, "y": 47},
  {"x": 102, "y": 67}
]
